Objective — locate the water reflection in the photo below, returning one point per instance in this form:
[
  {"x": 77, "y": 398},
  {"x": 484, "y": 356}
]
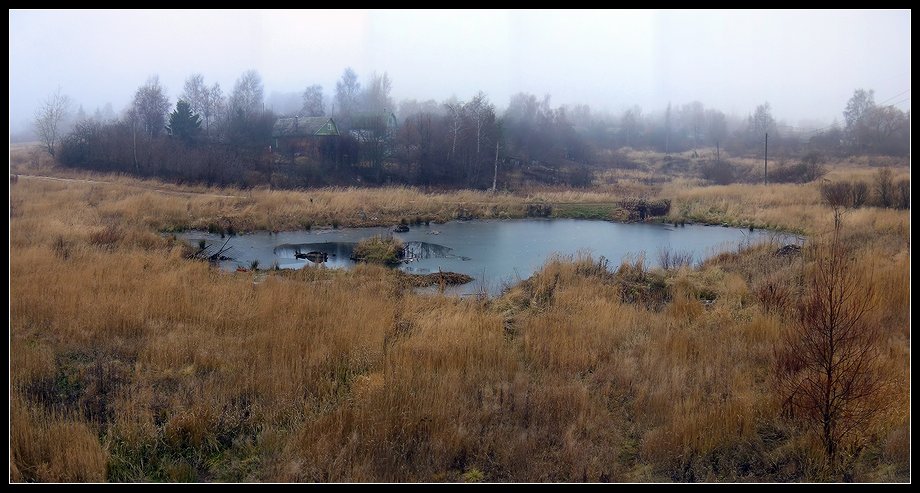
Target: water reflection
[
  {"x": 339, "y": 252},
  {"x": 417, "y": 250}
]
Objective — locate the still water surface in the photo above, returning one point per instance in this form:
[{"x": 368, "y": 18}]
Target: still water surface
[{"x": 494, "y": 252}]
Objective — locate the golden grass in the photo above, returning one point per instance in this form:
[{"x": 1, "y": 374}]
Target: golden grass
[
  {"x": 50, "y": 447},
  {"x": 379, "y": 249},
  {"x": 787, "y": 207},
  {"x": 131, "y": 363},
  {"x": 128, "y": 201}
]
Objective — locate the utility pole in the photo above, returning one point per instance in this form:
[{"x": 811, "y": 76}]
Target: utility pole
[
  {"x": 718, "y": 157},
  {"x": 766, "y": 136},
  {"x": 495, "y": 175},
  {"x": 667, "y": 131}
]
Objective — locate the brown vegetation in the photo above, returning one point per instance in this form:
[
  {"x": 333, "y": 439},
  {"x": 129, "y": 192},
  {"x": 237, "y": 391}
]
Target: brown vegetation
[
  {"x": 828, "y": 372},
  {"x": 131, "y": 363},
  {"x": 380, "y": 250},
  {"x": 435, "y": 279}
]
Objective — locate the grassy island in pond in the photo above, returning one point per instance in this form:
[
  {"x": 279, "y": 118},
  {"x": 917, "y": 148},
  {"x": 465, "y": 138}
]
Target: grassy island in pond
[{"x": 380, "y": 250}]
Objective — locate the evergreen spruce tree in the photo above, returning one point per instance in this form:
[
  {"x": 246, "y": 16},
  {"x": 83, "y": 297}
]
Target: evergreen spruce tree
[{"x": 183, "y": 124}]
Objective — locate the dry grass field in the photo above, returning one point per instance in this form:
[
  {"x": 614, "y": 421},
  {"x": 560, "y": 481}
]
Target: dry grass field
[{"x": 129, "y": 362}]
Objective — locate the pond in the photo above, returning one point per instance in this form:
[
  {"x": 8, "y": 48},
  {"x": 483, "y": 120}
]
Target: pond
[{"x": 495, "y": 253}]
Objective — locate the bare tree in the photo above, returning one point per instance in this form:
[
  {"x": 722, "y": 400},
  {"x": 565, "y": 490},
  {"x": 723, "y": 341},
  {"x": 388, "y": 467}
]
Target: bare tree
[
  {"x": 481, "y": 112},
  {"x": 837, "y": 194},
  {"x": 346, "y": 95},
  {"x": 151, "y": 106},
  {"x": 884, "y": 188},
  {"x": 827, "y": 369},
  {"x": 248, "y": 95},
  {"x": 903, "y": 194},
  {"x": 630, "y": 123},
  {"x": 761, "y": 121},
  {"x": 716, "y": 126},
  {"x": 50, "y": 117},
  {"x": 883, "y": 120},
  {"x": 206, "y": 102},
  {"x": 132, "y": 117},
  {"x": 860, "y": 191},
  {"x": 195, "y": 93},
  {"x": 858, "y": 109},
  {"x": 376, "y": 96},
  {"x": 694, "y": 116},
  {"x": 882, "y": 123},
  {"x": 214, "y": 108},
  {"x": 313, "y": 101},
  {"x": 456, "y": 111}
]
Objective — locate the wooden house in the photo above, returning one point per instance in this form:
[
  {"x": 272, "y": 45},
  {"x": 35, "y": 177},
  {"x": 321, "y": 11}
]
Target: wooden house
[{"x": 304, "y": 135}]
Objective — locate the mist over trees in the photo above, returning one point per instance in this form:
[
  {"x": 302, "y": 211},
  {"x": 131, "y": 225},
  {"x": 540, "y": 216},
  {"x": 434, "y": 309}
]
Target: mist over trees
[
  {"x": 150, "y": 107},
  {"x": 206, "y": 102},
  {"x": 346, "y": 95},
  {"x": 313, "y": 104},
  {"x": 215, "y": 138}
]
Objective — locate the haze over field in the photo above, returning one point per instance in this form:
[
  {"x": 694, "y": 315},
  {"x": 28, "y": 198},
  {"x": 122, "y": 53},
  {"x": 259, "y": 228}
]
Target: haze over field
[{"x": 806, "y": 64}]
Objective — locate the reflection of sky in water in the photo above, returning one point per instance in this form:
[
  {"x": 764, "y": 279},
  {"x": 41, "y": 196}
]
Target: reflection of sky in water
[{"x": 495, "y": 253}]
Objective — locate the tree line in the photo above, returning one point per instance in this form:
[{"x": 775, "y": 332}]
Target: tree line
[{"x": 211, "y": 137}]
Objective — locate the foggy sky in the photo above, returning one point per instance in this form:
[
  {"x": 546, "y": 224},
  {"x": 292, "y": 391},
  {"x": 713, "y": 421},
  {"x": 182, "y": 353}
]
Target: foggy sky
[{"x": 806, "y": 64}]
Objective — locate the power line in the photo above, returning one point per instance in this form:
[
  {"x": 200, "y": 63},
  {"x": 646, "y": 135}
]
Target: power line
[
  {"x": 895, "y": 96},
  {"x": 818, "y": 130}
]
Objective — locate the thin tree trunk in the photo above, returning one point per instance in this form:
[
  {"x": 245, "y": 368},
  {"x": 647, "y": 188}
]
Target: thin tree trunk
[
  {"x": 478, "y": 137},
  {"x": 134, "y": 129}
]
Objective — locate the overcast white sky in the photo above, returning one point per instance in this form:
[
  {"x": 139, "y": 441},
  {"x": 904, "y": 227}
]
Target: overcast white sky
[{"x": 806, "y": 64}]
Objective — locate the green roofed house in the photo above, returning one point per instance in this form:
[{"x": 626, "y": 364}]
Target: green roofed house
[{"x": 304, "y": 135}]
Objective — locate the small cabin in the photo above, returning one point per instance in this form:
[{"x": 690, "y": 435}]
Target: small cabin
[
  {"x": 373, "y": 127},
  {"x": 303, "y": 135}
]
